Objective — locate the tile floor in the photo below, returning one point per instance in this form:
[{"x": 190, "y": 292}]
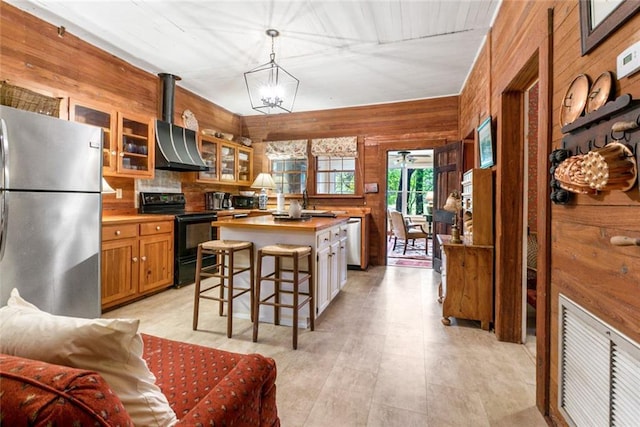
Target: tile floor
[{"x": 379, "y": 357}]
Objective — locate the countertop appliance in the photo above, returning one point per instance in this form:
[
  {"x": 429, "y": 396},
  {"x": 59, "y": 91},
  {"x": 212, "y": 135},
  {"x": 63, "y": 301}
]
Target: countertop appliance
[
  {"x": 213, "y": 200},
  {"x": 190, "y": 229},
  {"x": 245, "y": 202},
  {"x": 50, "y": 212},
  {"x": 354, "y": 239}
]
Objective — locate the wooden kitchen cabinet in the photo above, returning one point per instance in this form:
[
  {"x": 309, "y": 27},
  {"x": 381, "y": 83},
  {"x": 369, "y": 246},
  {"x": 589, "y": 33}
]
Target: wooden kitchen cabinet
[
  {"x": 102, "y": 117},
  {"x": 136, "y": 145},
  {"x": 128, "y": 143},
  {"x": 230, "y": 163},
  {"x": 137, "y": 259}
]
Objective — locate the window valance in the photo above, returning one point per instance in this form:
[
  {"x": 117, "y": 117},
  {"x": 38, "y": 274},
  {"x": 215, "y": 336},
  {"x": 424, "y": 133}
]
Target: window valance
[
  {"x": 344, "y": 146},
  {"x": 282, "y": 150}
]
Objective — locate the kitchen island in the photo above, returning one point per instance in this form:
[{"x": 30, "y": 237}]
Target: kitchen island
[{"x": 327, "y": 238}]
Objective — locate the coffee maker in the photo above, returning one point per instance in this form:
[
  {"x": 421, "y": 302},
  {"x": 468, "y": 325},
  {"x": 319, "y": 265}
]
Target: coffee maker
[
  {"x": 214, "y": 201},
  {"x": 227, "y": 202}
]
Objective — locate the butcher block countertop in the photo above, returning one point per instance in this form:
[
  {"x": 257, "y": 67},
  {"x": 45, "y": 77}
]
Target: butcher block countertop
[
  {"x": 136, "y": 218},
  {"x": 268, "y": 222}
]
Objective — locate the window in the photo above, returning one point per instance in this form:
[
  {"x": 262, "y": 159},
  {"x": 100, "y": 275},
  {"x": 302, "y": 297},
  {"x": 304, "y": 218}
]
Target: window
[
  {"x": 290, "y": 175},
  {"x": 335, "y": 175}
]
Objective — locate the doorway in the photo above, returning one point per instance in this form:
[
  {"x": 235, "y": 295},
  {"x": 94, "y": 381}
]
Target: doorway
[
  {"x": 410, "y": 193},
  {"x": 530, "y": 217}
]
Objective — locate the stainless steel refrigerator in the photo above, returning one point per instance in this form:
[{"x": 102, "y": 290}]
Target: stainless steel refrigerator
[{"x": 50, "y": 212}]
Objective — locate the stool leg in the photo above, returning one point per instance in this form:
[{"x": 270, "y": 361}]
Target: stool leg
[
  {"x": 312, "y": 295},
  {"x": 196, "y": 302},
  {"x": 276, "y": 289},
  {"x": 223, "y": 259},
  {"x": 295, "y": 301},
  {"x": 252, "y": 281},
  {"x": 257, "y": 296},
  {"x": 230, "y": 294}
]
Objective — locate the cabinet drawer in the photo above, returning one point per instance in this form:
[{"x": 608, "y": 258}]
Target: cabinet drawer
[
  {"x": 324, "y": 238},
  {"x": 336, "y": 234},
  {"x": 158, "y": 227},
  {"x": 119, "y": 231}
]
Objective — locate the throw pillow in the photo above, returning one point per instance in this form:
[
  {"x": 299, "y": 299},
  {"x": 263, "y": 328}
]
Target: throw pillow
[{"x": 111, "y": 347}]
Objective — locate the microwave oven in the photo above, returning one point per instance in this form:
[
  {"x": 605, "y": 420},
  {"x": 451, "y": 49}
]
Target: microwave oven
[{"x": 245, "y": 202}]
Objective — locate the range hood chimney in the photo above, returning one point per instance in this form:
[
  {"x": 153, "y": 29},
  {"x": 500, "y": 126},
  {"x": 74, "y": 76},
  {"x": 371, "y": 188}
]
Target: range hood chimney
[{"x": 176, "y": 147}]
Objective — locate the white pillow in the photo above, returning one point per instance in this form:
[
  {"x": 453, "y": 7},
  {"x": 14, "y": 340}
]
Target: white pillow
[{"x": 111, "y": 347}]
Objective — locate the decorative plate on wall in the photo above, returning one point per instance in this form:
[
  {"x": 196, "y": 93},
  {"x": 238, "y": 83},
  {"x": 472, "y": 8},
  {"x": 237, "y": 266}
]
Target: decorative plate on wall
[
  {"x": 189, "y": 120},
  {"x": 600, "y": 91},
  {"x": 574, "y": 100}
]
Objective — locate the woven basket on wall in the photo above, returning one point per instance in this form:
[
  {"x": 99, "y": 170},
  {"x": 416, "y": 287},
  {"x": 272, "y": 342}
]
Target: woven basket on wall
[{"x": 25, "y": 99}]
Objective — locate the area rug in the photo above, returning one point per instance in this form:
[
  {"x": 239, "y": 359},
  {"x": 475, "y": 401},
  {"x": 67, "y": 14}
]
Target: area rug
[
  {"x": 416, "y": 263},
  {"x": 413, "y": 252},
  {"x": 415, "y": 256}
]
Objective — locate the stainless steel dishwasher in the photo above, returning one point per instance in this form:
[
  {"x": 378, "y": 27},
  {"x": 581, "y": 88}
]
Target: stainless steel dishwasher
[{"x": 354, "y": 236}]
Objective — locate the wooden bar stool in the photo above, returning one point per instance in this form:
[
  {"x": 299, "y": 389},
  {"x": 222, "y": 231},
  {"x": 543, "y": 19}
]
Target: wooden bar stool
[
  {"x": 225, "y": 270},
  {"x": 295, "y": 253}
]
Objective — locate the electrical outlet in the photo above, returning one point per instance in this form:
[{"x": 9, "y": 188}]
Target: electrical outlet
[{"x": 118, "y": 193}]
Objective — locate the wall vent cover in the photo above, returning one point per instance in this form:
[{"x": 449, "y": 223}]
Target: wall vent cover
[{"x": 599, "y": 376}]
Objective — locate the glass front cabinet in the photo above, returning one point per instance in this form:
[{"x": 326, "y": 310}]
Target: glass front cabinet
[
  {"x": 209, "y": 149},
  {"x": 127, "y": 144},
  {"x": 105, "y": 119},
  {"x": 137, "y": 146},
  {"x": 245, "y": 165},
  {"x": 229, "y": 163}
]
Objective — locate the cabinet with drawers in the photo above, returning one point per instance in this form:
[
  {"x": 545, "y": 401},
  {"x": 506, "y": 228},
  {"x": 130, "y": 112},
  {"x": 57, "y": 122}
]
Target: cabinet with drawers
[{"x": 137, "y": 259}]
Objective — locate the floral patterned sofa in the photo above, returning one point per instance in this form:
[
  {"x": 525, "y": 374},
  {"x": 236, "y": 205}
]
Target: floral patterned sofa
[{"x": 68, "y": 371}]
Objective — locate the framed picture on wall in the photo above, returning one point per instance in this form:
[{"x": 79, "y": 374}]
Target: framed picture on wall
[
  {"x": 485, "y": 144},
  {"x": 600, "y": 18}
]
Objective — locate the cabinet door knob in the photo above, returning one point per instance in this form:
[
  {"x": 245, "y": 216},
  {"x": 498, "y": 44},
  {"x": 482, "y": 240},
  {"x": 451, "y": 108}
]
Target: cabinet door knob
[
  {"x": 144, "y": 258},
  {"x": 118, "y": 232},
  {"x": 113, "y": 153},
  {"x": 157, "y": 228},
  {"x": 121, "y": 154},
  {"x": 134, "y": 259}
]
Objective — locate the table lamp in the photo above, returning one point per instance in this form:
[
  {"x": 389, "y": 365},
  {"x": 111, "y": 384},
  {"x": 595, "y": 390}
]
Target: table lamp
[
  {"x": 454, "y": 205},
  {"x": 264, "y": 182}
]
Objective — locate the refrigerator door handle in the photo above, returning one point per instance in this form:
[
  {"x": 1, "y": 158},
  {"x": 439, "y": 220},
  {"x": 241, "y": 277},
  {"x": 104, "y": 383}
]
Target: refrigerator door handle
[
  {"x": 4, "y": 183},
  {"x": 4, "y": 214},
  {"x": 4, "y": 153}
]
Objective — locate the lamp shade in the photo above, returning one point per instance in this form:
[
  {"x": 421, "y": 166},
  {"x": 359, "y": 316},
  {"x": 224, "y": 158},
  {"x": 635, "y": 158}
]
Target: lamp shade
[
  {"x": 453, "y": 203},
  {"x": 264, "y": 180}
]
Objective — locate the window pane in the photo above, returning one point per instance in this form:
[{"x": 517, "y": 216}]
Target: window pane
[
  {"x": 289, "y": 175},
  {"x": 335, "y": 175}
]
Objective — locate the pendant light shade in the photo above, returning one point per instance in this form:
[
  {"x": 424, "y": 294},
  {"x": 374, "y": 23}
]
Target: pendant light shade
[{"x": 271, "y": 88}]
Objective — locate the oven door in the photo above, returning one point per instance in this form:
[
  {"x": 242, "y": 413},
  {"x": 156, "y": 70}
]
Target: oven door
[{"x": 191, "y": 230}]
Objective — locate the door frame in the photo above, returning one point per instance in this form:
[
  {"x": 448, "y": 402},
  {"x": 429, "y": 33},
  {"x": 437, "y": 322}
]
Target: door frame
[{"x": 510, "y": 143}]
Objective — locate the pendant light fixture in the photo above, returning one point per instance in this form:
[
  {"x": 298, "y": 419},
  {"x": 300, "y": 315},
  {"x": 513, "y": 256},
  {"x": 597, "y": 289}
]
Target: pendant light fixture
[{"x": 271, "y": 88}]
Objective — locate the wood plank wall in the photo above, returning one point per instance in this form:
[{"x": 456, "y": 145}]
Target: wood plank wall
[
  {"x": 582, "y": 264},
  {"x": 33, "y": 56},
  {"x": 381, "y": 128}
]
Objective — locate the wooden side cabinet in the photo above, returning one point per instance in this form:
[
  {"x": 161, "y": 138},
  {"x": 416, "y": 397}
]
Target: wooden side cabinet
[
  {"x": 137, "y": 259},
  {"x": 467, "y": 282}
]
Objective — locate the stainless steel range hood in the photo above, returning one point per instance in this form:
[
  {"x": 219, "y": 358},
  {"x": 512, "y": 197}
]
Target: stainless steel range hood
[{"x": 176, "y": 147}]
